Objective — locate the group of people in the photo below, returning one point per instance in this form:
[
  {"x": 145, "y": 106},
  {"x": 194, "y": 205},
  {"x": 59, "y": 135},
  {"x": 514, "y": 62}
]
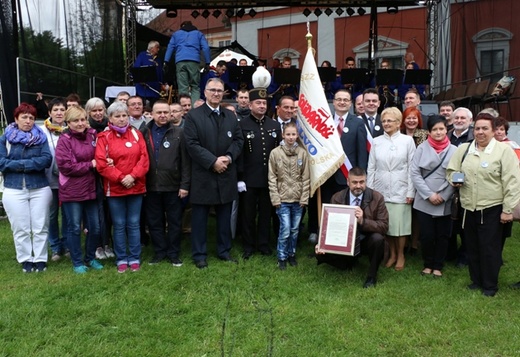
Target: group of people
[{"x": 117, "y": 167}]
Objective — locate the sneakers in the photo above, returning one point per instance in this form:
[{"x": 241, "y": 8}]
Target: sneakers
[
  {"x": 40, "y": 267},
  {"x": 100, "y": 253},
  {"x": 176, "y": 262},
  {"x": 55, "y": 256},
  {"x": 155, "y": 261},
  {"x": 121, "y": 268},
  {"x": 94, "y": 264},
  {"x": 282, "y": 264},
  {"x": 82, "y": 269},
  {"x": 27, "y": 267},
  {"x": 109, "y": 252},
  {"x": 135, "y": 267},
  {"x": 313, "y": 238},
  {"x": 292, "y": 261}
]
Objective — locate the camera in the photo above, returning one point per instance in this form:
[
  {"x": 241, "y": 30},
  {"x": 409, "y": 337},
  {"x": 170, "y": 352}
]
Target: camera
[{"x": 458, "y": 177}]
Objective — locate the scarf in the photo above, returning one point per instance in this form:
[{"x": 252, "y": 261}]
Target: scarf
[
  {"x": 28, "y": 138},
  {"x": 54, "y": 128},
  {"x": 117, "y": 129},
  {"x": 439, "y": 146},
  {"x": 99, "y": 126}
]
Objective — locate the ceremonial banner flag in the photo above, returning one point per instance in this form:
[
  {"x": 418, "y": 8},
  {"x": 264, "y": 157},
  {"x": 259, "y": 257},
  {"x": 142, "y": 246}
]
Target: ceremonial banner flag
[{"x": 316, "y": 126}]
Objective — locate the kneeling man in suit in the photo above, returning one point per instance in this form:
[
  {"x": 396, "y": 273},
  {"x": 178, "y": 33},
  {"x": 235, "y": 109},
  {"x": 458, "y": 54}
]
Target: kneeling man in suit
[{"x": 372, "y": 220}]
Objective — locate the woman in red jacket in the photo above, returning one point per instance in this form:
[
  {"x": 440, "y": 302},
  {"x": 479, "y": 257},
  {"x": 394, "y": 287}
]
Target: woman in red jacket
[{"x": 122, "y": 160}]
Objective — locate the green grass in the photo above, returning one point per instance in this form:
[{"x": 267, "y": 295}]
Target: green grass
[{"x": 253, "y": 309}]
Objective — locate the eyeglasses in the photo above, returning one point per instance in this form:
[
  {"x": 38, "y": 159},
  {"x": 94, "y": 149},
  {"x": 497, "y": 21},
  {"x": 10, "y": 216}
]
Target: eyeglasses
[
  {"x": 342, "y": 100},
  {"x": 215, "y": 90},
  {"x": 135, "y": 104}
]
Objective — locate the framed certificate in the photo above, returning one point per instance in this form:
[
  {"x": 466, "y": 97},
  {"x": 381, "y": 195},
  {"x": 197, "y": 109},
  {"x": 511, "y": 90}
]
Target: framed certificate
[{"x": 338, "y": 230}]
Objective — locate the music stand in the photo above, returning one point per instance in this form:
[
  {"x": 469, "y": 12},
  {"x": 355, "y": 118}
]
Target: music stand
[
  {"x": 241, "y": 74},
  {"x": 355, "y": 76},
  {"x": 389, "y": 77},
  {"x": 287, "y": 76},
  {"x": 418, "y": 76},
  {"x": 327, "y": 74},
  {"x": 144, "y": 74}
]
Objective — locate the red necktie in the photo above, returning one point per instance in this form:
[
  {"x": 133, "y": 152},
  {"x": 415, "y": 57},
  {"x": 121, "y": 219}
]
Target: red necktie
[{"x": 340, "y": 126}]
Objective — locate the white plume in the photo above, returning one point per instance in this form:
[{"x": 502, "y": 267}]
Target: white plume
[{"x": 261, "y": 78}]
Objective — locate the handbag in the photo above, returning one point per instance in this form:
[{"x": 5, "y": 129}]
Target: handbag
[{"x": 455, "y": 199}]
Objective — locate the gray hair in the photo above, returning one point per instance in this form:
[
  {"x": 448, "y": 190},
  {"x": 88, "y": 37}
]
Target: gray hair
[
  {"x": 469, "y": 113},
  {"x": 152, "y": 44},
  {"x": 117, "y": 107},
  {"x": 218, "y": 80},
  {"x": 93, "y": 103},
  {"x": 493, "y": 112}
]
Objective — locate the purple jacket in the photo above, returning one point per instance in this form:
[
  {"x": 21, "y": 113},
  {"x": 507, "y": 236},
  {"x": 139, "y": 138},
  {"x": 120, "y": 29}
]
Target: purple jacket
[{"x": 74, "y": 155}]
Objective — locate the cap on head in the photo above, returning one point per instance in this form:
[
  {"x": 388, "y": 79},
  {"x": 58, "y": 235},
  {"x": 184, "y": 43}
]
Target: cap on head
[{"x": 257, "y": 93}]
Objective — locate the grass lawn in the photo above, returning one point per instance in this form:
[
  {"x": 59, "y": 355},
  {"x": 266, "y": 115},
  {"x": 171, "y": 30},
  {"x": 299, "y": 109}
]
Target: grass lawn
[{"x": 253, "y": 309}]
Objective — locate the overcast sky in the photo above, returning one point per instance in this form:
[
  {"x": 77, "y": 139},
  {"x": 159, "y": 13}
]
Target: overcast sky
[{"x": 49, "y": 15}]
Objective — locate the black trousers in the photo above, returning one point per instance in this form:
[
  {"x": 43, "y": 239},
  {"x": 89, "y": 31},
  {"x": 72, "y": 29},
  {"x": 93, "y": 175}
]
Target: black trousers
[
  {"x": 435, "y": 234},
  {"x": 256, "y": 231},
  {"x": 484, "y": 246},
  {"x": 199, "y": 228},
  {"x": 162, "y": 207},
  {"x": 373, "y": 245}
]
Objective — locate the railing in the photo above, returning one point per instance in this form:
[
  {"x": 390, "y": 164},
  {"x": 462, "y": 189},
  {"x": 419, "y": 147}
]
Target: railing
[{"x": 33, "y": 77}]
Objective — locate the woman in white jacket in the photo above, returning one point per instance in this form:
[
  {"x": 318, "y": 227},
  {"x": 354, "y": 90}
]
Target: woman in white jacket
[{"x": 389, "y": 166}]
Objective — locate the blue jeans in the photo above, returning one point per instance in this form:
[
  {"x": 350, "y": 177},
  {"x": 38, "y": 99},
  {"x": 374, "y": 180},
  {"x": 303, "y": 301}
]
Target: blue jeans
[
  {"x": 75, "y": 212},
  {"x": 290, "y": 215},
  {"x": 126, "y": 215},
  {"x": 58, "y": 245}
]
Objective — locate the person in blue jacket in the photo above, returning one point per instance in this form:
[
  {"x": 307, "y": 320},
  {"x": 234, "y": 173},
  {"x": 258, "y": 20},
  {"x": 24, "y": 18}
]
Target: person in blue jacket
[
  {"x": 185, "y": 45},
  {"x": 150, "y": 90}
]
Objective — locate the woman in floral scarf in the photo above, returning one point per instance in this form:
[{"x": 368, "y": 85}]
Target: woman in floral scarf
[{"x": 24, "y": 156}]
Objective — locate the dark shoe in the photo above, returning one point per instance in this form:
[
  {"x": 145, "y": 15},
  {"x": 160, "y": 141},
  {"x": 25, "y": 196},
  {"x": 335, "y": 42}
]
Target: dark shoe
[
  {"x": 370, "y": 283},
  {"x": 228, "y": 259},
  {"x": 516, "y": 285},
  {"x": 27, "y": 267},
  {"x": 40, "y": 267},
  {"x": 176, "y": 262},
  {"x": 292, "y": 261},
  {"x": 282, "y": 264},
  {"x": 489, "y": 293},
  {"x": 473, "y": 286},
  {"x": 247, "y": 254},
  {"x": 201, "y": 264},
  {"x": 155, "y": 260},
  {"x": 266, "y": 252}
]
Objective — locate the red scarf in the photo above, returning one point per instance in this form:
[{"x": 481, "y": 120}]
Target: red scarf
[{"x": 439, "y": 146}]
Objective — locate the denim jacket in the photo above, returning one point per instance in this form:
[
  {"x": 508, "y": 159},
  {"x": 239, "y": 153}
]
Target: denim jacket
[{"x": 24, "y": 167}]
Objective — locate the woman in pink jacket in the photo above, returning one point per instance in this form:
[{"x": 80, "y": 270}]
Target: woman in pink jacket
[{"x": 122, "y": 160}]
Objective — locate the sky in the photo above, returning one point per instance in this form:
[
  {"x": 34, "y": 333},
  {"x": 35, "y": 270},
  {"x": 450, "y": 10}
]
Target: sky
[{"x": 49, "y": 15}]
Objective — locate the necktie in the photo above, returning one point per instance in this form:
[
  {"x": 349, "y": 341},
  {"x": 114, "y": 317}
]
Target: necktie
[
  {"x": 357, "y": 201},
  {"x": 340, "y": 126},
  {"x": 371, "y": 123}
]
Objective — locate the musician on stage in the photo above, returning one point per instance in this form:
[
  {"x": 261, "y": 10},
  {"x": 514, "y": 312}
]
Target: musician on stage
[{"x": 150, "y": 90}]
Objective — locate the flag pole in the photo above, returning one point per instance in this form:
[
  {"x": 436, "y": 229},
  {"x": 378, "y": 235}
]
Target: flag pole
[{"x": 308, "y": 37}]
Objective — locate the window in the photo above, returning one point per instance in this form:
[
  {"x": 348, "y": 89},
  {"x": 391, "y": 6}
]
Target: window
[{"x": 492, "y": 52}]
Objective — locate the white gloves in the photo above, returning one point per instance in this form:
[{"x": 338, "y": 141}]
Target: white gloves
[{"x": 241, "y": 185}]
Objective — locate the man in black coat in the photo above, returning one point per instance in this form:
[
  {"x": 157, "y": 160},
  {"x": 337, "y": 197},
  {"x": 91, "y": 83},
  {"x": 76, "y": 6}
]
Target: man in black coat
[
  {"x": 167, "y": 183},
  {"x": 261, "y": 135},
  {"x": 214, "y": 141}
]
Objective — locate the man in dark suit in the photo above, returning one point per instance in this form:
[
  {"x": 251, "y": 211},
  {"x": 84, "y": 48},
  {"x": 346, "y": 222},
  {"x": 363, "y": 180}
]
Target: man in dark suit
[
  {"x": 372, "y": 225},
  {"x": 261, "y": 135},
  {"x": 354, "y": 142},
  {"x": 214, "y": 141},
  {"x": 372, "y": 120}
]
